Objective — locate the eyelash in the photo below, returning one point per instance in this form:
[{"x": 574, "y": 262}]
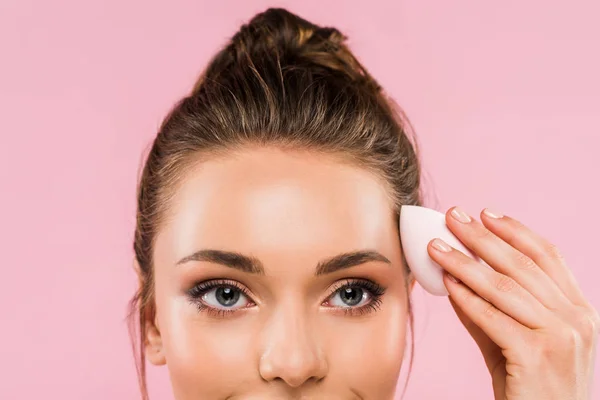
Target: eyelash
[
  {"x": 375, "y": 290},
  {"x": 202, "y": 288}
]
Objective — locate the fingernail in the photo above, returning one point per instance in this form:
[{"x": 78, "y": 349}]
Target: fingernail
[
  {"x": 492, "y": 213},
  {"x": 460, "y": 215},
  {"x": 441, "y": 245}
]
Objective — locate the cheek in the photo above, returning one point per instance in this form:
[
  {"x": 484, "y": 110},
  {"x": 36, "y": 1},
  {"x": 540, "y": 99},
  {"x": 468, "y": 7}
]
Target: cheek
[
  {"x": 206, "y": 358},
  {"x": 368, "y": 354}
]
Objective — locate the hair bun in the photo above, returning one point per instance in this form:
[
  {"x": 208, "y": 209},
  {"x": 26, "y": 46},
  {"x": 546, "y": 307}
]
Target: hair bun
[
  {"x": 278, "y": 30},
  {"x": 280, "y": 37}
]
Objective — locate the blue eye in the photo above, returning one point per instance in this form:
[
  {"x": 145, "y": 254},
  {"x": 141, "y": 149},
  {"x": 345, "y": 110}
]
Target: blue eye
[
  {"x": 356, "y": 296},
  {"x": 227, "y": 297},
  {"x": 220, "y": 297},
  {"x": 350, "y": 297}
]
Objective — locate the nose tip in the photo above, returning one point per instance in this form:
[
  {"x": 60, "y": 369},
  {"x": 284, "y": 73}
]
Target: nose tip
[
  {"x": 294, "y": 368},
  {"x": 292, "y": 353},
  {"x": 297, "y": 381}
]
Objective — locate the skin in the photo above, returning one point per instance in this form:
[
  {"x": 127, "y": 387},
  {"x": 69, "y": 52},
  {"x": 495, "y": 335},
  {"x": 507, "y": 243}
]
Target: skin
[
  {"x": 537, "y": 331},
  {"x": 292, "y": 337}
]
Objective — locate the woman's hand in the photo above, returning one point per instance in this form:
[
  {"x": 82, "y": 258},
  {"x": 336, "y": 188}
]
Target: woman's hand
[{"x": 536, "y": 330}]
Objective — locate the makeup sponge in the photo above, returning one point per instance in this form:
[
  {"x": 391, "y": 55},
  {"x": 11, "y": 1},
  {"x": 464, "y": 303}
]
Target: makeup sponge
[{"x": 418, "y": 226}]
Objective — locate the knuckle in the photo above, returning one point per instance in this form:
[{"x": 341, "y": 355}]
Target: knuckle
[
  {"x": 467, "y": 299},
  {"x": 561, "y": 337},
  {"x": 505, "y": 283},
  {"x": 524, "y": 262},
  {"x": 567, "y": 335},
  {"x": 553, "y": 252},
  {"x": 572, "y": 337},
  {"x": 555, "y": 345},
  {"x": 489, "y": 311},
  {"x": 587, "y": 324}
]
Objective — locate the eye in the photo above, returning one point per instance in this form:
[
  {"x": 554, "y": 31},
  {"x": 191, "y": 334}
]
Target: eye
[
  {"x": 356, "y": 295},
  {"x": 220, "y": 296},
  {"x": 227, "y": 297},
  {"x": 350, "y": 296}
]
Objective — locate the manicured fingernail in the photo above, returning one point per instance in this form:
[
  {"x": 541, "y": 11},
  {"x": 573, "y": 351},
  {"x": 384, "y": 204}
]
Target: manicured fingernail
[
  {"x": 460, "y": 215},
  {"x": 441, "y": 245},
  {"x": 492, "y": 213}
]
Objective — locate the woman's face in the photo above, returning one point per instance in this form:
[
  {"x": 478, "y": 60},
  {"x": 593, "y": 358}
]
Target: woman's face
[{"x": 279, "y": 276}]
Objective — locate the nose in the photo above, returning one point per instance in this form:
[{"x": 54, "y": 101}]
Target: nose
[{"x": 291, "y": 352}]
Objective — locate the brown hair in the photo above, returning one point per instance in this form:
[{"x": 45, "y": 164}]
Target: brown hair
[{"x": 280, "y": 81}]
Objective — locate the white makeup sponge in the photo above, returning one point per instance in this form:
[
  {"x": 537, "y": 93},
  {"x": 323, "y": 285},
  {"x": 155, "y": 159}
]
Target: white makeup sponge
[{"x": 418, "y": 226}]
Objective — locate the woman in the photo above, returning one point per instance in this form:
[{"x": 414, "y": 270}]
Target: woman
[{"x": 268, "y": 251}]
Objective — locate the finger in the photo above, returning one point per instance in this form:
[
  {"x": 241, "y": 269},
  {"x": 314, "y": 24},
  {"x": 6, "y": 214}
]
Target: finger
[
  {"x": 507, "y": 260},
  {"x": 502, "y": 329},
  {"x": 498, "y": 289},
  {"x": 543, "y": 253},
  {"x": 492, "y": 353}
]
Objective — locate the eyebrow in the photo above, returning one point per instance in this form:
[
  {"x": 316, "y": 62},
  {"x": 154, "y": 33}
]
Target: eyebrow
[{"x": 253, "y": 265}]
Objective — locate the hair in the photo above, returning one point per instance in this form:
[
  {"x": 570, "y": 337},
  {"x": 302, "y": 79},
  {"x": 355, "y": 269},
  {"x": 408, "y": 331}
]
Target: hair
[{"x": 279, "y": 81}]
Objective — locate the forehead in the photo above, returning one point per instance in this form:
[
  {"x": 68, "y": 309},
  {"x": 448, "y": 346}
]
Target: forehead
[{"x": 273, "y": 201}]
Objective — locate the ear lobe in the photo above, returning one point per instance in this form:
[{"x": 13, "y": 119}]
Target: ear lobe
[
  {"x": 153, "y": 347},
  {"x": 153, "y": 344}
]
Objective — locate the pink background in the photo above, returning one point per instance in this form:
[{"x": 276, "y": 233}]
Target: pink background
[{"x": 504, "y": 97}]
